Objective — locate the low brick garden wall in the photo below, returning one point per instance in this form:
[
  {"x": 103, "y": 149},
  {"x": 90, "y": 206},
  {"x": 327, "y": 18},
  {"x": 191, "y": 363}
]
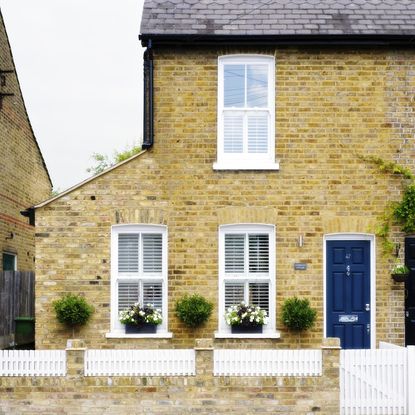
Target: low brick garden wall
[{"x": 203, "y": 393}]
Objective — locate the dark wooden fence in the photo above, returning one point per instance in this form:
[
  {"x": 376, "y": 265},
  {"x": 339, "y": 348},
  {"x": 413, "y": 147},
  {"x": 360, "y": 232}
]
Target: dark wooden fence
[{"x": 17, "y": 299}]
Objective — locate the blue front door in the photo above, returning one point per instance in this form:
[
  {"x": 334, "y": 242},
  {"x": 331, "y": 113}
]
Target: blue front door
[{"x": 348, "y": 293}]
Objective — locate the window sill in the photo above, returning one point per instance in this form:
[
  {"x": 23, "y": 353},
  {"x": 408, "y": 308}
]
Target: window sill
[
  {"x": 246, "y": 165},
  {"x": 229, "y": 335},
  {"x": 120, "y": 335}
]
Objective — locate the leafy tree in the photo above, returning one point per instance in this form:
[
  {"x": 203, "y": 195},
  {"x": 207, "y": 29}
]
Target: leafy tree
[{"x": 103, "y": 161}]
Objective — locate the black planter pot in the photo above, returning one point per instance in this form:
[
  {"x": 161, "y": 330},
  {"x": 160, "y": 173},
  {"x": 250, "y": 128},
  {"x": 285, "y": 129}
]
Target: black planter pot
[
  {"x": 400, "y": 277},
  {"x": 246, "y": 329},
  {"x": 142, "y": 328}
]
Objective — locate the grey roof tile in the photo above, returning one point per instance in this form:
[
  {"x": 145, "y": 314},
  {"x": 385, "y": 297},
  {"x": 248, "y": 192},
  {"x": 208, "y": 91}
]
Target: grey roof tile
[{"x": 245, "y": 17}]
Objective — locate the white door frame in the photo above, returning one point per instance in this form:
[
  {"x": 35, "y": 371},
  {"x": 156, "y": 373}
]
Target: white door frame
[{"x": 350, "y": 236}]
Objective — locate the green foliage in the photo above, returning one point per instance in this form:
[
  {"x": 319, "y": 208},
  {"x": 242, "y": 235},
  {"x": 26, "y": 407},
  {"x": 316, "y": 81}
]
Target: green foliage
[
  {"x": 404, "y": 211},
  {"x": 193, "y": 310},
  {"x": 401, "y": 269},
  {"x": 72, "y": 310},
  {"x": 137, "y": 315},
  {"x": 389, "y": 166},
  {"x": 297, "y": 314},
  {"x": 103, "y": 161}
]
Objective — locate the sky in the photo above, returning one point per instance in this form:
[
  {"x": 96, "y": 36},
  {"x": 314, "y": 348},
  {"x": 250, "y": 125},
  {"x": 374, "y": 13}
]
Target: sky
[{"x": 79, "y": 64}]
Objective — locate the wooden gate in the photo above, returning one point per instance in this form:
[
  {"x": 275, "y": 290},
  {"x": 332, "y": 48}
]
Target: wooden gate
[
  {"x": 377, "y": 381},
  {"x": 17, "y": 299}
]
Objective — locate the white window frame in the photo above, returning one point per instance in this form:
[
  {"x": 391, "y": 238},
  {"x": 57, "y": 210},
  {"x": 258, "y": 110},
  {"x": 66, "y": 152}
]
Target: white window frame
[
  {"x": 117, "y": 329},
  {"x": 245, "y": 160},
  {"x": 224, "y": 329}
]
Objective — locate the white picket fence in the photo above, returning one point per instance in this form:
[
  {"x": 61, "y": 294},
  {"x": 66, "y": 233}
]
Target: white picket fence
[
  {"x": 264, "y": 362},
  {"x": 161, "y": 362},
  {"x": 32, "y": 363},
  {"x": 378, "y": 381}
]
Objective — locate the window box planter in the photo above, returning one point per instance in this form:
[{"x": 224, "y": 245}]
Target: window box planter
[
  {"x": 142, "y": 328},
  {"x": 240, "y": 328},
  {"x": 400, "y": 277}
]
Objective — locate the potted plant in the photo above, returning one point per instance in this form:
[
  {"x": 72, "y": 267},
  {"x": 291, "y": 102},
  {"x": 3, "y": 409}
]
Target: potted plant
[
  {"x": 139, "y": 319},
  {"x": 193, "y": 310},
  {"x": 73, "y": 311},
  {"x": 246, "y": 318},
  {"x": 297, "y": 314},
  {"x": 400, "y": 273}
]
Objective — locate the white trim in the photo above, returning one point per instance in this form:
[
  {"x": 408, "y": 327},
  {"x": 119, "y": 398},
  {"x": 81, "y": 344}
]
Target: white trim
[
  {"x": 254, "y": 161},
  {"x": 116, "y": 326},
  {"x": 269, "y": 330},
  {"x": 121, "y": 335},
  {"x": 267, "y": 335},
  {"x": 240, "y": 165},
  {"x": 350, "y": 236}
]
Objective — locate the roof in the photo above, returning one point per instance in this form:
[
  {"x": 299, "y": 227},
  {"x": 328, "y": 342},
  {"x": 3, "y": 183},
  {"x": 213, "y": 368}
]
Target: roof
[
  {"x": 90, "y": 179},
  {"x": 278, "y": 17}
]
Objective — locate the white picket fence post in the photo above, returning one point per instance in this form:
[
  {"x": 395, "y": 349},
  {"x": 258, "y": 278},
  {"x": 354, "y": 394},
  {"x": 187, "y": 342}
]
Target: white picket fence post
[
  {"x": 140, "y": 362},
  {"x": 411, "y": 380},
  {"x": 265, "y": 362},
  {"x": 32, "y": 363}
]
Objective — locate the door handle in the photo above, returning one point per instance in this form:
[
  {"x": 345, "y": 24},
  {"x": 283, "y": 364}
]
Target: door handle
[
  {"x": 348, "y": 270},
  {"x": 367, "y": 307},
  {"x": 368, "y": 328}
]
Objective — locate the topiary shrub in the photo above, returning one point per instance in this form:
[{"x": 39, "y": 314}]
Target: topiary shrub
[
  {"x": 193, "y": 310},
  {"x": 297, "y": 314},
  {"x": 72, "y": 310}
]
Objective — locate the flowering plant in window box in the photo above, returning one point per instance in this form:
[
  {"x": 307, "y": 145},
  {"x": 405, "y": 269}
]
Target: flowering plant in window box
[
  {"x": 246, "y": 318},
  {"x": 139, "y": 319},
  {"x": 400, "y": 273}
]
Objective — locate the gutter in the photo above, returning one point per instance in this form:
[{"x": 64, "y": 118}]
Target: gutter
[
  {"x": 148, "y": 119},
  {"x": 311, "y": 40}
]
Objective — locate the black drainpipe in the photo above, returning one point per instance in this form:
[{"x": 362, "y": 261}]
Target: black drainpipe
[{"x": 148, "y": 121}]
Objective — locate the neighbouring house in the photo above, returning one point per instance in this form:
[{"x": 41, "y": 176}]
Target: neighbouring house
[
  {"x": 256, "y": 181},
  {"x": 24, "y": 179}
]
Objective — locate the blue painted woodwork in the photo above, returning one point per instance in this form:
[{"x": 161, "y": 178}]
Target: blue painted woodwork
[{"x": 348, "y": 293}]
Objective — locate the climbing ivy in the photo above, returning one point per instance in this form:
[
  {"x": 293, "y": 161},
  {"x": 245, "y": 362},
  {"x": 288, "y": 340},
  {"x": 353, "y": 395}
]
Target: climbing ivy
[{"x": 402, "y": 212}]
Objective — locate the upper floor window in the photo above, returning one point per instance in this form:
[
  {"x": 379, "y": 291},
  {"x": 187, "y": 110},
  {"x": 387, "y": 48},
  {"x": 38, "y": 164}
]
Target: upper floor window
[
  {"x": 138, "y": 270},
  {"x": 246, "y": 113}
]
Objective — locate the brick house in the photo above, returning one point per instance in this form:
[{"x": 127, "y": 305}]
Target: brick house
[
  {"x": 24, "y": 179},
  {"x": 251, "y": 185}
]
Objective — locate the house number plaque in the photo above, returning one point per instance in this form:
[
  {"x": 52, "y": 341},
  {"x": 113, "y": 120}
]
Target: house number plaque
[
  {"x": 348, "y": 318},
  {"x": 300, "y": 266}
]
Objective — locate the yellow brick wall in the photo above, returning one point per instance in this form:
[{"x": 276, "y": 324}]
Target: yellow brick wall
[
  {"x": 23, "y": 177},
  {"x": 201, "y": 394},
  {"x": 331, "y": 107}
]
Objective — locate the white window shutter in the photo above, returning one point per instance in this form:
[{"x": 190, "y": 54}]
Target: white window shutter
[
  {"x": 234, "y": 293},
  {"x": 234, "y": 253},
  {"x": 152, "y": 252},
  {"x": 259, "y": 294},
  {"x": 128, "y": 294},
  {"x": 259, "y": 253},
  {"x": 258, "y": 132},
  {"x": 233, "y": 133},
  {"x": 153, "y": 294},
  {"x": 128, "y": 252}
]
